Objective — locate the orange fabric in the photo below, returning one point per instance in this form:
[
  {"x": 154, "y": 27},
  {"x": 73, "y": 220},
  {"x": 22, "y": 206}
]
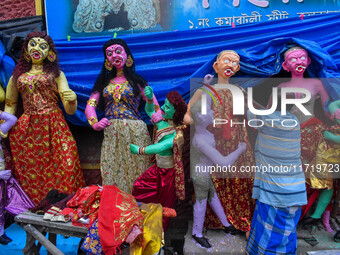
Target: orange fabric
[
  {"x": 169, "y": 212},
  {"x": 118, "y": 213}
]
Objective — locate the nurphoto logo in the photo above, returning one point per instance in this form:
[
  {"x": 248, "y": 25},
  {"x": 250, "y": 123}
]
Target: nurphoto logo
[{"x": 239, "y": 109}]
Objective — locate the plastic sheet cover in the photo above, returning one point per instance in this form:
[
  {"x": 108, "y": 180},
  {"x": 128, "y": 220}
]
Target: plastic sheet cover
[
  {"x": 169, "y": 59},
  {"x": 6, "y": 66}
]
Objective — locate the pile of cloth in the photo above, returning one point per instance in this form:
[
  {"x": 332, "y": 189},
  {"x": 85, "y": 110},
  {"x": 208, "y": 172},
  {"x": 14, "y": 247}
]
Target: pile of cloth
[{"x": 113, "y": 218}]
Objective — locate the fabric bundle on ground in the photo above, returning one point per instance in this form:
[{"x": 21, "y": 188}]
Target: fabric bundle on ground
[{"x": 118, "y": 213}]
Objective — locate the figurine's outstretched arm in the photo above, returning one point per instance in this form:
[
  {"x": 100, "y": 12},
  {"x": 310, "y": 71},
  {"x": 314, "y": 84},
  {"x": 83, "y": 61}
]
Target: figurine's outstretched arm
[
  {"x": 187, "y": 120},
  {"x": 215, "y": 156},
  {"x": 10, "y": 121},
  {"x": 2, "y": 94},
  {"x": 150, "y": 101},
  {"x": 324, "y": 96},
  {"x": 68, "y": 97},
  {"x": 91, "y": 115},
  {"x": 164, "y": 145},
  {"x": 11, "y": 101},
  {"x": 331, "y": 137},
  {"x": 334, "y": 109}
]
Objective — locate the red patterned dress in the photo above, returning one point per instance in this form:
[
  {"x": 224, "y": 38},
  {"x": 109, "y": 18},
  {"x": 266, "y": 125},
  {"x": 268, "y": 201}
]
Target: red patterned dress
[
  {"x": 234, "y": 193},
  {"x": 311, "y": 132},
  {"x": 45, "y": 154}
]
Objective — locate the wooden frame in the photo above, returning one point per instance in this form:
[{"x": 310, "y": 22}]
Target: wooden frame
[{"x": 36, "y": 229}]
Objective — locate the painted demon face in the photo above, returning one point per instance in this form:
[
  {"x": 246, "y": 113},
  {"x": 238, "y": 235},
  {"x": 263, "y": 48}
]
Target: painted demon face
[
  {"x": 296, "y": 61},
  {"x": 227, "y": 65},
  {"x": 38, "y": 49},
  {"x": 168, "y": 110},
  {"x": 116, "y": 55}
]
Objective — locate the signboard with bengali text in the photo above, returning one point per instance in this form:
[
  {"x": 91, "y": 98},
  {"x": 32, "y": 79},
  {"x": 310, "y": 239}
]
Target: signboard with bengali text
[{"x": 77, "y": 18}]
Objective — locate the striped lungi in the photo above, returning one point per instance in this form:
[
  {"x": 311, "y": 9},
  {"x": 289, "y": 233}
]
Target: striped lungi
[{"x": 273, "y": 230}]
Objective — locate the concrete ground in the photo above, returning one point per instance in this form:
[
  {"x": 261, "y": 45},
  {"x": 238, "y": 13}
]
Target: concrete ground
[{"x": 311, "y": 241}]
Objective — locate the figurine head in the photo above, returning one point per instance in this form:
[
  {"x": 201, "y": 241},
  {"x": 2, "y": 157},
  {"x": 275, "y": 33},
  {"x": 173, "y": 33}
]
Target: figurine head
[
  {"x": 227, "y": 64},
  {"x": 296, "y": 61},
  {"x": 118, "y": 55},
  {"x": 38, "y": 48},
  {"x": 174, "y": 107}
]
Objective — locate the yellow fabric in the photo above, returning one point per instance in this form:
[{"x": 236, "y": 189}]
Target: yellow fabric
[
  {"x": 328, "y": 154},
  {"x": 38, "y": 7},
  {"x": 152, "y": 231},
  {"x": 179, "y": 138}
]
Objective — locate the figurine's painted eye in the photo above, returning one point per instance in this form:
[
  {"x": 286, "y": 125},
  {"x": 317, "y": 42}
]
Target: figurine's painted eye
[
  {"x": 43, "y": 46},
  {"x": 227, "y": 61},
  {"x": 33, "y": 43},
  {"x": 235, "y": 64},
  {"x": 118, "y": 51},
  {"x": 109, "y": 53},
  {"x": 293, "y": 60},
  {"x": 303, "y": 58}
]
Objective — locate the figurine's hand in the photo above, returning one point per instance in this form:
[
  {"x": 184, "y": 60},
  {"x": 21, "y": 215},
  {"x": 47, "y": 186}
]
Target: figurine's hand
[
  {"x": 157, "y": 117},
  {"x": 5, "y": 175},
  {"x": 148, "y": 92},
  {"x": 337, "y": 114},
  {"x": 134, "y": 149},
  {"x": 100, "y": 125},
  {"x": 328, "y": 135},
  {"x": 299, "y": 95},
  {"x": 242, "y": 146},
  {"x": 208, "y": 78},
  {"x": 68, "y": 95}
]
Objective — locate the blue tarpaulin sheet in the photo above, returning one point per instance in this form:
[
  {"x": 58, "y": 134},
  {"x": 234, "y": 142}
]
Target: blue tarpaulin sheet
[
  {"x": 169, "y": 59},
  {"x": 67, "y": 245},
  {"x": 6, "y": 65}
]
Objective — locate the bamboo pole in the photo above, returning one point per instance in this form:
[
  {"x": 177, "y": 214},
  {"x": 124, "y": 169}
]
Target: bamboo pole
[
  {"x": 43, "y": 240},
  {"x": 38, "y": 7}
]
